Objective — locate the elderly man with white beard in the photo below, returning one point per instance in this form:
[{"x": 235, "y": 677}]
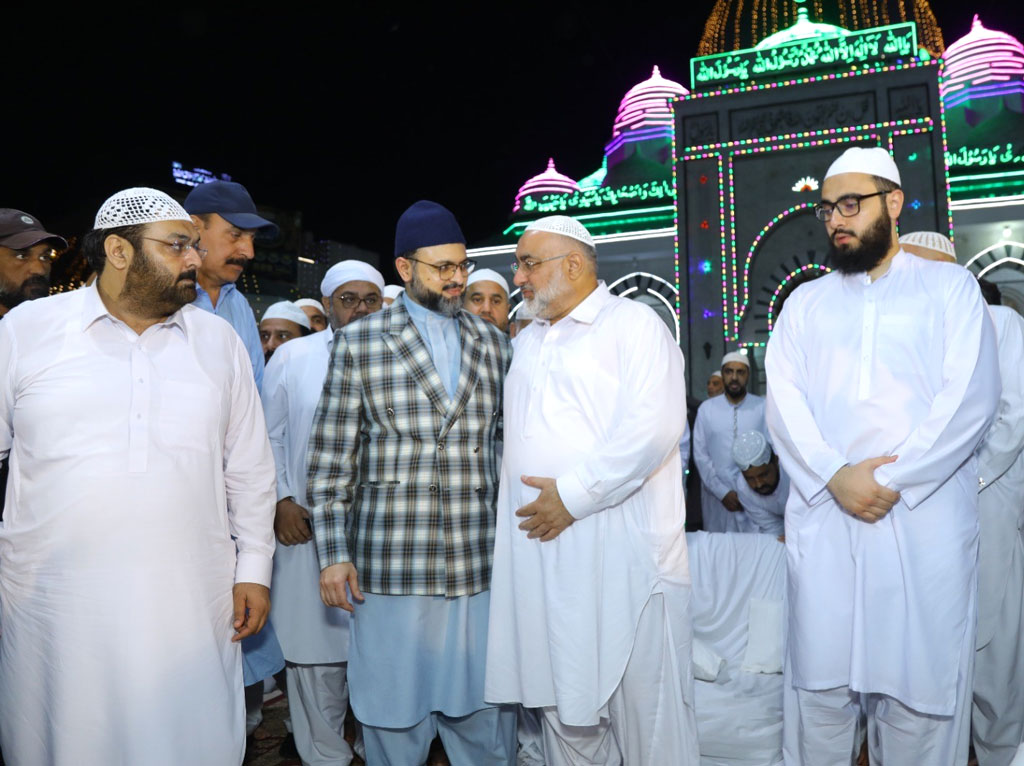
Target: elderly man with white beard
[
  {"x": 882, "y": 381},
  {"x": 590, "y": 591}
]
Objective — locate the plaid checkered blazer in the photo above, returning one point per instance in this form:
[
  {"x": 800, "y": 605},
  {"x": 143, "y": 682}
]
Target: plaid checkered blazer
[{"x": 403, "y": 483}]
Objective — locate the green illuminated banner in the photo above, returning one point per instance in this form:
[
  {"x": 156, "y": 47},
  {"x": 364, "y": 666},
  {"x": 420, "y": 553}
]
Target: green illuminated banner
[
  {"x": 868, "y": 46},
  {"x": 984, "y": 156},
  {"x": 600, "y": 197}
]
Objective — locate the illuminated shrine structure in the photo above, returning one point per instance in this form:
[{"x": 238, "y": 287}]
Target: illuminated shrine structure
[{"x": 702, "y": 206}]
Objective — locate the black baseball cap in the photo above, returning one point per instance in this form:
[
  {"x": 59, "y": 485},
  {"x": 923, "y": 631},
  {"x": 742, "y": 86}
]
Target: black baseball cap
[
  {"x": 19, "y": 230},
  {"x": 231, "y": 202}
]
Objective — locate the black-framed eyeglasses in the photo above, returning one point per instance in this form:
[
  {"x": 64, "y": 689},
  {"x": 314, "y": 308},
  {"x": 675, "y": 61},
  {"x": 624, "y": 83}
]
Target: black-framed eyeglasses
[
  {"x": 181, "y": 247},
  {"x": 47, "y": 256},
  {"x": 351, "y": 300},
  {"x": 847, "y": 206},
  {"x": 447, "y": 270},
  {"x": 529, "y": 264}
]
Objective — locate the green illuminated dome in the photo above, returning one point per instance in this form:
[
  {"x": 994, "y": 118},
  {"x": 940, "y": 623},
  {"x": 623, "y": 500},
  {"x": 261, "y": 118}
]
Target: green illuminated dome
[{"x": 804, "y": 29}]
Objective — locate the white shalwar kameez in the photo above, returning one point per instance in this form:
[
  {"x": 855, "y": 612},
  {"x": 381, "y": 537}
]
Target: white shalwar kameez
[
  {"x": 765, "y": 512},
  {"x": 596, "y": 401},
  {"x": 135, "y": 459},
  {"x": 718, "y": 423},
  {"x": 314, "y": 637},
  {"x": 998, "y": 715},
  {"x": 903, "y": 365}
]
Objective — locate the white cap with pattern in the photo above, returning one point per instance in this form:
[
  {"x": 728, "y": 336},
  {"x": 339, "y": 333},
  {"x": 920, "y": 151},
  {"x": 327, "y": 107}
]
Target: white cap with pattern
[
  {"x": 488, "y": 275},
  {"x": 930, "y": 239},
  {"x": 750, "y": 449},
  {"x": 564, "y": 225},
  {"x": 287, "y": 310},
  {"x": 136, "y": 206}
]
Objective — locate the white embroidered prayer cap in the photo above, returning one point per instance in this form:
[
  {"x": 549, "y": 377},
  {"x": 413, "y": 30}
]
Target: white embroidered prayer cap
[
  {"x": 313, "y": 304},
  {"x": 564, "y": 225},
  {"x": 735, "y": 356},
  {"x": 875, "y": 161},
  {"x": 488, "y": 275},
  {"x": 344, "y": 272},
  {"x": 750, "y": 449},
  {"x": 931, "y": 240},
  {"x": 392, "y": 291},
  {"x": 138, "y": 205},
  {"x": 287, "y": 310}
]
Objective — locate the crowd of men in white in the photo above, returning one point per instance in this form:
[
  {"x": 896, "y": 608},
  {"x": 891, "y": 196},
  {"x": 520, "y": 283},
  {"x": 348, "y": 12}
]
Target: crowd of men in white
[{"x": 484, "y": 538}]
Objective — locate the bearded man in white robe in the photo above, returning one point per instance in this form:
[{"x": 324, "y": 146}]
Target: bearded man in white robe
[
  {"x": 590, "y": 589},
  {"x": 882, "y": 381}
]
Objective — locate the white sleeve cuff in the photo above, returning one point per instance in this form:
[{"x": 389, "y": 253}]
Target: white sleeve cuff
[
  {"x": 253, "y": 567},
  {"x": 575, "y": 497}
]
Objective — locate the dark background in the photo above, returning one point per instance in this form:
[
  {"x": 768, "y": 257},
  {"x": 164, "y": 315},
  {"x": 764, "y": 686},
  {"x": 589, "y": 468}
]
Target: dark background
[{"x": 348, "y": 115}]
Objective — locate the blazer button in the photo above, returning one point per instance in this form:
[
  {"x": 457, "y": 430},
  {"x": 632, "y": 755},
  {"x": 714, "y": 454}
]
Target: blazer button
[
  {"x": 476, "y": 449},
  {"x": 433, "y": 488},
  {"x": 390, "y": 411},
  {"x": 478, "y": 489},
  {"x": 440, "y": 446}
]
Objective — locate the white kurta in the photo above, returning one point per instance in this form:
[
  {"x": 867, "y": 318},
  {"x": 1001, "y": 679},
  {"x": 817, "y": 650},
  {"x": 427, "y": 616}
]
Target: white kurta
[
  {"x": 310, "y": 632},
  {"x": 905, "y": 365},
  {"x": 134, "y": 462},
  {"x": 595, "y": 400},
  {"x": 765, "y": 512},
  {"x": 999, "y": 665},
  {"x": 718, "y": 423}
]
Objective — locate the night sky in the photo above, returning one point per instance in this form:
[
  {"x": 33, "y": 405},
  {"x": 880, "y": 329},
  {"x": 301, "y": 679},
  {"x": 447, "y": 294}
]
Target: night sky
[{"x": 348, "y": 116}]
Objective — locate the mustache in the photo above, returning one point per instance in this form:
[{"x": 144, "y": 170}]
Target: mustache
[
  {"x": 191, "y": 274},
  {"x": 452, "y": 285},
  {"x": 236, "y": 261}
]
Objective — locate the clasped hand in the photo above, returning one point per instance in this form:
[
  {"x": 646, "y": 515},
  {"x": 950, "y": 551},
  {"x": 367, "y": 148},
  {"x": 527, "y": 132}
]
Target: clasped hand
[
  {"x": 546, "y": 517},
  {"x": 856, "y": 490}
]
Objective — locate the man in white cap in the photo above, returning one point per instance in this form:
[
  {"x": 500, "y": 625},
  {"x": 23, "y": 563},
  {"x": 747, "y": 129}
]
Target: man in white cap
[
  {"x": 882, "y": 382},
  {"x": 720, "y": 420},
  {"x": 313, "y": 636},
  {"x": 998, "y": 712},
  {"x": 487, "y": 297},
  {"x": 590, "y": 612},
  {"x": 403, "y": 478},
  {"x": 314, "y": 312},
  {"x": 137, "y": 547},
  {"x": 763, "y": 487},
  {"x": 282, "y": 321},
  {"x": 391, "y": 292},
  {"x": 715, "y": 385}
]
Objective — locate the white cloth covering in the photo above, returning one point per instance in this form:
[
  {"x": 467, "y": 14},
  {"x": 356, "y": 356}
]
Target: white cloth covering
[
  {"x": 134, "y": 461},
  {"x": 310, "y": 632},
  {"x": 595, "y": 400},
  {"x": 765, "y": 513},
  {"x": 998, "y": 715},
  {"x": 903, "y": 365},
  {"x": 718, "y": 422},
  {"x": 317, "y": 704},
  {"x": 645, "y": 720}
]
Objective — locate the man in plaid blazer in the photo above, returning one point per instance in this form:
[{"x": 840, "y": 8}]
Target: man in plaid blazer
[{"x": 402, "y": 485}]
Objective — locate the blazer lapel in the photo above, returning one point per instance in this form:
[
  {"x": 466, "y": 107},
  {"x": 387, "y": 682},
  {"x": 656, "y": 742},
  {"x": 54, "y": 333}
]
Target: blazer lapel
[
  {"x": 469, "y": 370},
  {"x": 405, "y": 343}
]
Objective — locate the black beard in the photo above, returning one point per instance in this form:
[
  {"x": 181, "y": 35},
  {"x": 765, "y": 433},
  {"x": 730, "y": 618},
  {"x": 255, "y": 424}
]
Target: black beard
[
  {"x": 874, "y": 244},
  {"x": 36, "y": 286},
  {"x": 151, "y": 292},
  {"x": 436, "y": 302}
]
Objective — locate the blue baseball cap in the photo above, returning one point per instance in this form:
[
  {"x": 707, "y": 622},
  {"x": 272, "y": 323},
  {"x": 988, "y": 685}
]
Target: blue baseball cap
[{"x": 231, "y": 202}]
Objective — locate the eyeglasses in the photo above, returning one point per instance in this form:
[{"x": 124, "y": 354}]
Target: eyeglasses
[
  {"x": 447, "y": 270},
  {"x": 351, "y": 300},
  {"x": 847, "y": 206},
  {"x": 47, "y": 256},
  {"x": 181, "y": 247},
  {"x": 529, "y": 264}
]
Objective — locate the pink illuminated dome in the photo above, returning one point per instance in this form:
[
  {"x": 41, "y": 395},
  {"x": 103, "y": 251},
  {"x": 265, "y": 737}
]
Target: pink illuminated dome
[
  {"x": 981, "y": 64},
  {"x": 646, "y": 104},
  {"x": 548, "y": 182}
]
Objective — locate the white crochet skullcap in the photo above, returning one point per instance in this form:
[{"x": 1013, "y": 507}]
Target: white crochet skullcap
[
  {"x": 287, "y": 310},
  {"x": 311, "y": 302},
  {"x": 930, "y": 239},
  {"x": 137, "y": 206},
  {"x": 564, "y": 225},
  {"x": 751, "y": 449},
  {"x": 735, "y": 356},
  {"x": 874, "y": 162},
  {"x": 488, "y": 275},
  {"x": 392, "y": 291},
  {"x": 344, "y": 272}
]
